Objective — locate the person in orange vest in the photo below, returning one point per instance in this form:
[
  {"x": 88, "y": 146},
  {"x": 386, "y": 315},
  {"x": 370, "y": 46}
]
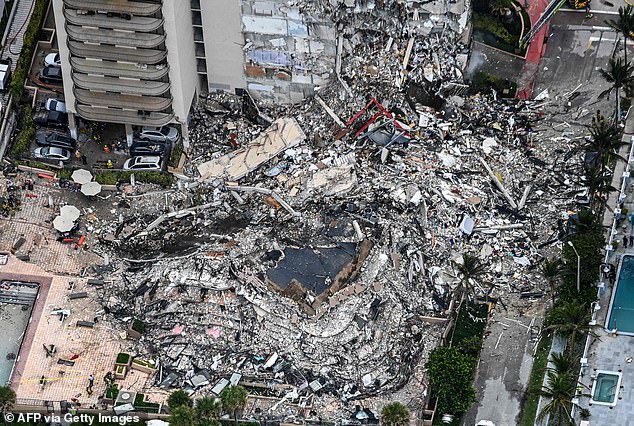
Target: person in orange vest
[{"x": 106, "y": 149}]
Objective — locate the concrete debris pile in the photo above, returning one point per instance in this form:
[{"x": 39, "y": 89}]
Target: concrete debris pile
[
  {"x": 325, "y": 269},
  {"x": 311, "y": 253}
]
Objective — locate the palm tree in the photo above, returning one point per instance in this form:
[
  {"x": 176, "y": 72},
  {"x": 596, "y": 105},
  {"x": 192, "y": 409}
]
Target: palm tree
[
  {"x": 624, "y": 25},
  {"x": 7, "y": 399},
  {"x": 233, "y": 399},
  {"x": 395, "y": 414},
  {"x": 208, "y": 408},
  {"x": 599, "y": 186},
  {"x": 586, "y": 221},
  {"x": 179, "y": 398},
  {"x": 560, "y": 389},
  {"x": 568, "y": 319},
  {"x": 619, "y": 74},
  {"x": 563, "y": 363},
  {"x": 605, "y": 140},
  {"x": 551, "y": 271},
  {"x": 470, "y": 268},
  {"x": 183, "y": 415}
]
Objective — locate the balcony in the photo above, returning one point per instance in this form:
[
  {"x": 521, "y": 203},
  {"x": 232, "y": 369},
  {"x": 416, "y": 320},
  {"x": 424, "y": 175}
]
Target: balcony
[
  {"x": 201, "y": 66},
  {"x": 114, "y": 100},
  {"x": 118, "y": 69},
  {"x": 200, "y": 51},
  {"x": 135, "y": 23},
  {"x": 120, "y": 85},
  {"x": 119, "y": 38},
  {"x": 113, "y": 53},
  {"x": 195, "y": 5},
  {"x": 197, "y": 20},
  {"x": 111, "y": 115},
  {"x": 115, "y": 6},
  {"x": 198, "y": 34}
]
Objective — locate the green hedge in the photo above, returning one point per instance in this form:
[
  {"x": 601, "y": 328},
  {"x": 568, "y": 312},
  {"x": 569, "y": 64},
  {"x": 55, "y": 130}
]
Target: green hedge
[
  {"x": 112, "y": 177},
  {"x": 29, "y": 43},
  {"x": 175, "y": 155},
  {"x": 147, "y": 407},
  {"x": 23, "y": 140},
  {"x": 451, "y": 369}
]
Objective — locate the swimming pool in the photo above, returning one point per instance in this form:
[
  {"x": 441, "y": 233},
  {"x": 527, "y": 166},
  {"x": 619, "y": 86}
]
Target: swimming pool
[
  {"x": 605, "y": 387},
  {"x": 621, "y": 313}
]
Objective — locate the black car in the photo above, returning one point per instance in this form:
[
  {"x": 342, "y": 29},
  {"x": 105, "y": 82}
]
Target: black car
[
  {"x": 51, "y": 75},
  {"x": 50, "y": 119},
  {"x": 145, "y": 148},
  {"x": 54, "y": 139}
]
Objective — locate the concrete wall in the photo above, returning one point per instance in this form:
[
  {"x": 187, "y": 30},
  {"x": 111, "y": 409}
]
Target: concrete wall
[
  {"x": 64, "y": 55},
  {"x": 180, "y": 56},
  {"x": 222, "y": 34}
]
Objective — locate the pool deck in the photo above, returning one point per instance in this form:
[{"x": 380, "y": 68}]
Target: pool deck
[{"x": 607, "y": 351}]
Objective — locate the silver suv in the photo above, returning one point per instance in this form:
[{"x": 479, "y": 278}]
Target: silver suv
[
  {"x": 143, "y": 164},
  {"x": 159, "y": 134}
]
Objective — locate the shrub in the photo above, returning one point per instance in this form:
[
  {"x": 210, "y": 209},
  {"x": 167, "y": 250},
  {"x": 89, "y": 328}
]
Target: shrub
[
  {"x": 22, "y": 141},
  {"x": 112, "y": 177},
  {"x": 494, "y": 26},
  {"x": 138, "y": 326},
  {"x": 175, "y": 155},
  {"x": 450, "y": 375},
  {"x": 140, "y": 404},
  {"x": 112, "y": 392},
  {"x": 122, "y": 358}
]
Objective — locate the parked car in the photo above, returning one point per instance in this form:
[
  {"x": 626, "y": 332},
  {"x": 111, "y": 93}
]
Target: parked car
[
  {"x": 142, "y": 163},
  {"x": 50, "y": 119},
  {"x": 5, "y": 74},
  {"x": 51, "y": 75},
  {"x": 58, "y": 140},
  {"x": 55, "y": 105},
  {"x": 159, "y": 134},
  {"x": 145, "y": 148},
  {"x": 52, "y": 153},
  {"x": 52, "y": 60}
]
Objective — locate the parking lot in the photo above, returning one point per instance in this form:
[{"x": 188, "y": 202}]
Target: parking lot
[{"x": 99, "y": 146}]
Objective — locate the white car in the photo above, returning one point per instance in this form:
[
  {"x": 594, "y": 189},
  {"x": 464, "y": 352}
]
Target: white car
[
  {"x": 55, "y": 105},
  {"x": 159, "y": 134},
  {"x": 143, "y": 164},
  {"x": 53, "y": 60},
  {"x": 52, "y": 153}
]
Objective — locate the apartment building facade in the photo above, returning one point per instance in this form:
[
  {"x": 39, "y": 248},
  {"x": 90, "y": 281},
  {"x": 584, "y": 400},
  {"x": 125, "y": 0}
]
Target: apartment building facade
[
  {"x": 144, "y": 62},
  {"x": 128, "y": 62}
]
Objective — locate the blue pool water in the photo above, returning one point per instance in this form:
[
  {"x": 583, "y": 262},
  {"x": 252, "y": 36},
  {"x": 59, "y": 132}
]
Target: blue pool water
[
  {"x": 605, "y": 388},
  {"x": 622, "y": 310}
]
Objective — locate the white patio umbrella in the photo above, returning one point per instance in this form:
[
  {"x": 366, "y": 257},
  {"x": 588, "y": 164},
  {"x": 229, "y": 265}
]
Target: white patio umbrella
[
  {"x": 70, "y": 212},
  {"x": 91, "y": 188},
  {"x": 81, "y": 176},
  {"x": 63, "y": 224}
]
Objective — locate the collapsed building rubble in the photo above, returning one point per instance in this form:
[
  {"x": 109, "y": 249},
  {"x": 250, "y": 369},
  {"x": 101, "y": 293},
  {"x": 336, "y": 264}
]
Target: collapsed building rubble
[{"x": 308, "y": 251}]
